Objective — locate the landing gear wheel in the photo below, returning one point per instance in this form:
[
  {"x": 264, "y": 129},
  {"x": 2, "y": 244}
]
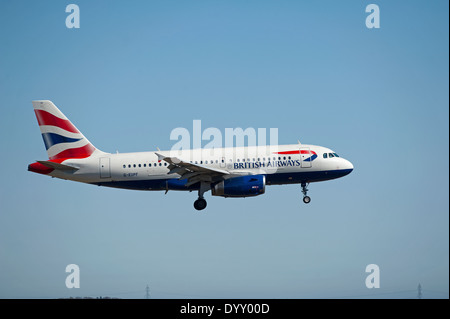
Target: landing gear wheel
[
  {"x": 306, "y": 199},
  {"x": 200, "y": 204}
]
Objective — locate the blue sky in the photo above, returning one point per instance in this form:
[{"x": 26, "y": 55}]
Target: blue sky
[{"x": 136, "y": 70}]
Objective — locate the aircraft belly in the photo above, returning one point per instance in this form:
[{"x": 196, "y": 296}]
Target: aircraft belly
[{"x": 304, "y": 177}]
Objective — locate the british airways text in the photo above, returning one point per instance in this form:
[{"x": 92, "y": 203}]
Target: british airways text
[{"x": 267, "y": 164}]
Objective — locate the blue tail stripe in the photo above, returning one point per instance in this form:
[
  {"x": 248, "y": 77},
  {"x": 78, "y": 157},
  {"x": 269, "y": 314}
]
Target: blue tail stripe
[{"x": 51, "y": 139}]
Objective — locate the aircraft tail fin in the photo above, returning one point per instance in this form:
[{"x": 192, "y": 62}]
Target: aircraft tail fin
[{"x": 61, "y": 138}]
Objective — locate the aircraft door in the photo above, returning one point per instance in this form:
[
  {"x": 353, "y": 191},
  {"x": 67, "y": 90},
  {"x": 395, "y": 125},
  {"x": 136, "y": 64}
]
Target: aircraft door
[
  {"x": 105, "y": 170},
  {"x": 306, "y": 157}
]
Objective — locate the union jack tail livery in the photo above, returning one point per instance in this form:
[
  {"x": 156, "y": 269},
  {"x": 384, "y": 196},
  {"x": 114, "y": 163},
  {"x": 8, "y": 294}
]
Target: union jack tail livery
[{"x": 61, "y": 138}]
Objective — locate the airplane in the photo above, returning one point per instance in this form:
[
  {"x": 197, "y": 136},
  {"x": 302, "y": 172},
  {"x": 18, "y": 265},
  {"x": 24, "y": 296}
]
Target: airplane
[{"x": 226, "y": 172}]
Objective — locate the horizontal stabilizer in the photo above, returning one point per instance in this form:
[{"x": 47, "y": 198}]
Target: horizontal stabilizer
[{"x": 58, "y": 166}]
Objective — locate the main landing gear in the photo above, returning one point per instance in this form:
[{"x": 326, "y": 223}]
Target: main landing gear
[
  {"x": 200, "y": 203},
  {"x": 306, "y": 198}
]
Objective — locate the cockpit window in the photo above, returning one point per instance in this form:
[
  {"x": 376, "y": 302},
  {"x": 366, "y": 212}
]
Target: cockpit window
[{"x": 330, "y": 155}]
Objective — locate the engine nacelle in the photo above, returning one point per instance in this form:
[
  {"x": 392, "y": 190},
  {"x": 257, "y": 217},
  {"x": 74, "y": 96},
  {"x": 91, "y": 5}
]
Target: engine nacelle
[{"x": 242, "y": 186}]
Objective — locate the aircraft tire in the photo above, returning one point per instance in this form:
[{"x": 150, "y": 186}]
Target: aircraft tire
[{"x": 200, "y": 204}]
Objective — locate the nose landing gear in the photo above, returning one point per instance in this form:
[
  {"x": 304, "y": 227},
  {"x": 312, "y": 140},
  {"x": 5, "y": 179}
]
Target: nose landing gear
[{"x": 306, "y": 198}]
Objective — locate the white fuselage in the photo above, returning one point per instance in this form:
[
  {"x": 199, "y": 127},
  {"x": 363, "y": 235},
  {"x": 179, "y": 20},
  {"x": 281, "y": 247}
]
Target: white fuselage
[{"x": 283, "y": 164}]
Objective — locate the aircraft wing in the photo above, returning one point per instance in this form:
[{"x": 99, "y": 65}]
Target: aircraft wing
[{"x": 194, "y": 173}]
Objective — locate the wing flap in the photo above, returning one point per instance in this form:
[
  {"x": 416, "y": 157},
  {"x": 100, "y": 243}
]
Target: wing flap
[
  {"x": 190, "y": 167},
  {"x": 194, "y": 173}
]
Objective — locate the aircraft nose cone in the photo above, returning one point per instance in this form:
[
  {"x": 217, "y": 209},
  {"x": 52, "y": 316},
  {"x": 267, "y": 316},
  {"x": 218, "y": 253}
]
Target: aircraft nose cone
[
  {"x": 348, "y": 165},
  {"x": 345, "y": 165}
]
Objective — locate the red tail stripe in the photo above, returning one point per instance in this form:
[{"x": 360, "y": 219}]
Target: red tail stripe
[
  {"x": 80, "y": 152},
  {"x": 46, "y": 118}
]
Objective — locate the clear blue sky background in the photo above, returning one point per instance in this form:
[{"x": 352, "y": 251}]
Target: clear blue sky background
[{"x": 136, "y": 70}]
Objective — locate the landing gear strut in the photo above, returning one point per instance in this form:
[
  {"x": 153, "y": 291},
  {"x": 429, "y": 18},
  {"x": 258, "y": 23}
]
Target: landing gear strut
[
  {"x": 306, "y": 198},
  {"x": 200, "y": 203}
]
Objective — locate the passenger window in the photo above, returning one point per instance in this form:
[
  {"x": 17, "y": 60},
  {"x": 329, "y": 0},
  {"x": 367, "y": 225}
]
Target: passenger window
[
  {"x": 325, "y": 155},
  {"x": 165, "y": 164},
  {"x": 124, "y": 166},
  {"x": 160, "y": 164},
  {"x": 134, "y": 165},
  {"x": 139, "y": 165}
]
